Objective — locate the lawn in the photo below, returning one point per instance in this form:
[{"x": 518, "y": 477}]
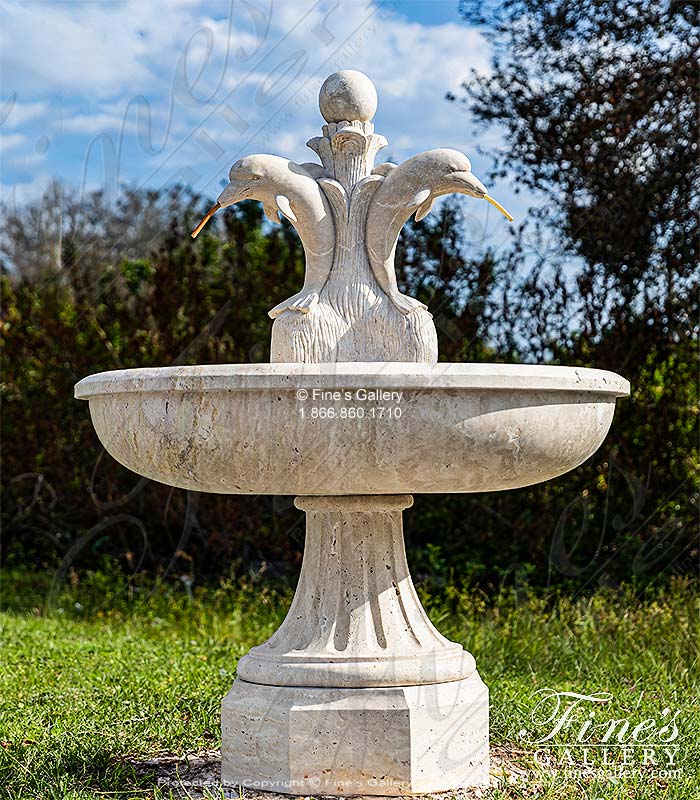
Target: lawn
[{"x": 97, "y": 679}]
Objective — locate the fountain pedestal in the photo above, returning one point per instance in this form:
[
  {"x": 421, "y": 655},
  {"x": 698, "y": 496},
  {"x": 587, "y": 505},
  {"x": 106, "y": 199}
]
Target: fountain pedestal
[{"x": 357, "y": 692}]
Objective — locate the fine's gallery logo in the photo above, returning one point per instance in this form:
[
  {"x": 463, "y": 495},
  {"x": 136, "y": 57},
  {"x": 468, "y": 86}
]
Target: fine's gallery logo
[
  {"x": 350, "y": 404},
  {"x": 584, "y": 733}
]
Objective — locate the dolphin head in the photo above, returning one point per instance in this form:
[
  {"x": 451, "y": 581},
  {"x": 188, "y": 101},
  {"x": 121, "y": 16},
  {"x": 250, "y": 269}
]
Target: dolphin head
[
  {"x": 250, "y": 178},
  {"x": 457, "y": 175},
  {"x": 466, "y": 183},
  {"x": 246, "y": 179}
]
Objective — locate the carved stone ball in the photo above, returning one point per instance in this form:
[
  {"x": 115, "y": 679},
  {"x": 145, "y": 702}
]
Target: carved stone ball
[{"x": 347, "y": 95}]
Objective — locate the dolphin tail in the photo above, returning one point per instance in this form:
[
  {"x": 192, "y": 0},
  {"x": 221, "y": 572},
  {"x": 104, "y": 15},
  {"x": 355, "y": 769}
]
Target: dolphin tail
[
  {"x": 406, "y": 304},
  {"x": 303, "y": 302}
]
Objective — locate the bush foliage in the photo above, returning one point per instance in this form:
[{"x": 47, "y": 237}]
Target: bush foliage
[
  {"x": 604, "y": 275},
  {"x": 158, "y": 298}
]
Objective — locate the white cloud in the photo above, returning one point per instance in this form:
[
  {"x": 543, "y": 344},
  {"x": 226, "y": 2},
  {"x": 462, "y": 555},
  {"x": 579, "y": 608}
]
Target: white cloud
[
  {"x": 92, "y": 59},
  {"x": 98, "y": 122},
  {"x": 413, "y": 66},
  {"x": 21, "y": 113},
  {"x": 27, "y": 161},
  {"x": 106, "y": 49},
  {"x": 11, "y": 140},
  {"x": 77, "y": 47}
]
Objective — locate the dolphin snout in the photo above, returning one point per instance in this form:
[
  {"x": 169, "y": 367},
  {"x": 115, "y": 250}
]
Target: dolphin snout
[
  {"x": 468, "y": 183},
  {"x": 233, "y": 193}
]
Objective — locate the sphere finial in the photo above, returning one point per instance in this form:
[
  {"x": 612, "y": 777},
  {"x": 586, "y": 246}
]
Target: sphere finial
[{"x": 347, "y": 95}]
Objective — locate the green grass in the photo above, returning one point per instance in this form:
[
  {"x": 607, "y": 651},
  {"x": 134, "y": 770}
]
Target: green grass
[{"x": 131, "y": 674}]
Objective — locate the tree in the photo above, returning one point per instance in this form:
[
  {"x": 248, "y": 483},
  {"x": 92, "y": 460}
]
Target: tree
[
  {"x": 433, "y": 265},
  {"x": 598, "y": 100},
  {"x": 598, "y": 104}
]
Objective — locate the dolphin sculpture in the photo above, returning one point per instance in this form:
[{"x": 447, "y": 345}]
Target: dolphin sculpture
[
  {"x": 413, "y": 187},
  {"x": 291, "y": 190}
]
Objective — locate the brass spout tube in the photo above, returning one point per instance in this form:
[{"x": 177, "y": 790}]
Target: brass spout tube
[
  {"x": 497, "y": 205},
  {"x": 206, "y": 219}
]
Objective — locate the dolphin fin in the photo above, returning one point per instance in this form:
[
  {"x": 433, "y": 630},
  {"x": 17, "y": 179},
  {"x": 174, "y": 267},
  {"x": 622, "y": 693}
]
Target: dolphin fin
[
  {"x": 405, "y": 303},
  {"x": 425, "y": 209},
  {"x": 314, "y": 170},
  {"x": 271, "y": 213},
  {"x": 418, "y": 198},
  {"x": 285, "y": 207}
]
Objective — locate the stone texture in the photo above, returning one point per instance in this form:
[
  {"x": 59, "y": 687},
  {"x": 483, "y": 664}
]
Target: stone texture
[
  {"x": 361, "y": 315},
  {"x": 355, "y": 318},
  {"x": 355, "y": 620},
  {"x": 462, "y": 428},
  {"x": 378, "y": 741},
  {"x": 356, "y": 692},
  {"x": 347, "y": 95}
]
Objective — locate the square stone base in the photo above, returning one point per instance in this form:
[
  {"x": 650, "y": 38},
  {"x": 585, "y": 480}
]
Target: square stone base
[{"x": 379, "y": 741}]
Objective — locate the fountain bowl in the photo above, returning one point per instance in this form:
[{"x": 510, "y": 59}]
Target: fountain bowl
[{"x": 352, "y": 428}]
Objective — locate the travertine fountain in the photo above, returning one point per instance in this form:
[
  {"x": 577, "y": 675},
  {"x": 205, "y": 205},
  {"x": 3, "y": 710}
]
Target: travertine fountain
[{"x": 357, "y": 692}]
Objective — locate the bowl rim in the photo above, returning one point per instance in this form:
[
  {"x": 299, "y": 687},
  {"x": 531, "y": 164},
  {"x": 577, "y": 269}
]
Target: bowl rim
[{"x": 352, "y": 375}]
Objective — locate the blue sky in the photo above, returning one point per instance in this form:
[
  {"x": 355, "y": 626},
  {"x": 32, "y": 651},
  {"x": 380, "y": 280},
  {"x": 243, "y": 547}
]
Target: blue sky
[{"x": 101, "y": 94}]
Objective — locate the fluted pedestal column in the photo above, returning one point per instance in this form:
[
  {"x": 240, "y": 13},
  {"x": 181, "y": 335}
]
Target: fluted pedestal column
[{"x": 357, "y": 692}]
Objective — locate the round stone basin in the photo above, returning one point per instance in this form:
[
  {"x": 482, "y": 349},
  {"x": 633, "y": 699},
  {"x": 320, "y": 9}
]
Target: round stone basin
[{"x": 352, "y": 428}]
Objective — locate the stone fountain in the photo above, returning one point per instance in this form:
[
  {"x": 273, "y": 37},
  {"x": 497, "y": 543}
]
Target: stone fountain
[{"x": 357, "y": 692}]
